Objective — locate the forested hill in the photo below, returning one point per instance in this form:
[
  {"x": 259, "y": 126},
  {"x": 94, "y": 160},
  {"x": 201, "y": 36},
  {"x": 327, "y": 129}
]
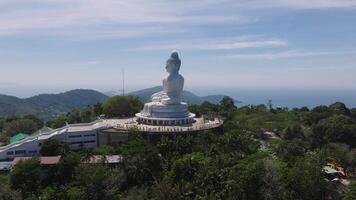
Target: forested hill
[{"x": 47, "y": 106}]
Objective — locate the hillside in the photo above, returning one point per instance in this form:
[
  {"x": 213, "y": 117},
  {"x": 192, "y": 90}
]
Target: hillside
[{"x": 48, "y": 105}]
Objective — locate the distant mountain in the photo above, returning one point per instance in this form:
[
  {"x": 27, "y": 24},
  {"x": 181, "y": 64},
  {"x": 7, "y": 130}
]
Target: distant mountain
[
  {"x": 145, "y": 95},
  {"x": 46, "y": 106},
  {"x": 112, "y": 93}
]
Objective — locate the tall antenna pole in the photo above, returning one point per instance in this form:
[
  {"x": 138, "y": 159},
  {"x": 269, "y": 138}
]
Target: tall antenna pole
[{"x": 123, "y": 82}]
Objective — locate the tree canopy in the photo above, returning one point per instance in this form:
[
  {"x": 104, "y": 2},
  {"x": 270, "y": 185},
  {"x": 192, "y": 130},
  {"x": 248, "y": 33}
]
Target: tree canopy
[
  {"x": 122, "y": 106},
  {"x": 238, "y": 163}
]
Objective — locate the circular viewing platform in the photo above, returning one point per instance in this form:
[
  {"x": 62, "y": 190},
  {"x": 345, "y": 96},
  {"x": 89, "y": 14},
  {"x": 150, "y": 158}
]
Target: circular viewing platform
[
  {"x": 141, "y": 119},
  {"x": 198, "y": 124}
]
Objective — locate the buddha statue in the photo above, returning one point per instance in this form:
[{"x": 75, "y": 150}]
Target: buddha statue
[
  {"x": 172, "y": 85},
  {"x": 166, "y": 107}
]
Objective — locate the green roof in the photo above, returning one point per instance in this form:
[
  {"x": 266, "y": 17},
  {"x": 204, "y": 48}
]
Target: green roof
[{"x": 18, "y": 137}]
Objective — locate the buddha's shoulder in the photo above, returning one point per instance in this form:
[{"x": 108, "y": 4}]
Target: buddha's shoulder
[
  {"x": 176, "y": 77},
  {"x": 180, "y": 77}
]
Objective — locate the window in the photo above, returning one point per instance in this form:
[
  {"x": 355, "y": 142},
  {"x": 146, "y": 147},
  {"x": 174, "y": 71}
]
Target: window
[
  {"x": 90, "y": 135},
  {"x": 76, "y": 143},
  {"x": 90, "y": 141},
  {"x": 32, "y": 151},
  {"x": 75, "y": 136},
  {"x": 10, "y": 153},
  {"x": 20, "y": 152}
]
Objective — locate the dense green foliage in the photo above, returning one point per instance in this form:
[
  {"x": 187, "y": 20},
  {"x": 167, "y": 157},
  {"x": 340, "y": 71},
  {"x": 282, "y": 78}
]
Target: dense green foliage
[
  {"x": 122, "y": 106},
  {"x": 11, "y": 125},
  {"x": 83, "y": 115},
  {"x": 53, "y": 147},
  {"x": 46, "y": 106},
  {"x": 117, "y": 106},
  {"x": 237, "y": 164}
]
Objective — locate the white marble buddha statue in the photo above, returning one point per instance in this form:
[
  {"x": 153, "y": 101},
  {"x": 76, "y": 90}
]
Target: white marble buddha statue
[
  {"x": 172, "y": 85},
  {"x": 168, "y": 103}
]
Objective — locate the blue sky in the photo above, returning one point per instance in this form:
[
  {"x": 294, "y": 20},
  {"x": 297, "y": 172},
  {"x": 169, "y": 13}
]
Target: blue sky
[{"x": 55, "y": 45}]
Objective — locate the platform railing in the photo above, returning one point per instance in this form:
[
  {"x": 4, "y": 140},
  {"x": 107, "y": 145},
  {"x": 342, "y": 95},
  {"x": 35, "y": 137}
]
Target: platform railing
[{"x": 151, "y": 128}]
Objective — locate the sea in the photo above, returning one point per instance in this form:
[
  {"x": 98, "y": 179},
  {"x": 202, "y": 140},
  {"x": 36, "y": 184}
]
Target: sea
[
  {"x": 281, "y": 97},
  {"x": 284, "y": 97}
]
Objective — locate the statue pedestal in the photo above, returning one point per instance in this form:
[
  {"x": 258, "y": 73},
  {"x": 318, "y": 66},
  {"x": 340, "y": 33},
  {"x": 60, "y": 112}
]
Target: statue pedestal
[{"x": 156, "y": 113}]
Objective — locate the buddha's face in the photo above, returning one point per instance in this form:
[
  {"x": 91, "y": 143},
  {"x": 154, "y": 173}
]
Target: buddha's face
[{"x": 171, "y": 67}]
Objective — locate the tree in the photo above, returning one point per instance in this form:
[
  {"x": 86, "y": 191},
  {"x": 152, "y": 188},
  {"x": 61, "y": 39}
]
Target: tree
[
  {"x": 339, "y": 153},
  {"x": 240, "y": 143},
  {"x": 185, "y": 168},
  {"x": 141, "y": 161},
  {"x": 98, "y": 182},
  {"x": 207, "y": 108},
  {"x": 83, "y": 115},
  {"x": 37, "y": 120},
  {"x": 305, "y": 179},
  {"x": 11, "y": 117},
  {"x": 353, "y": 113},
  {"x": 339, "y": 108},
  {"x": 67, "y": 166},
  {"x": 103, "y": 150},
  {"x": 53, "y": 147},
  {"x": 119, "y": 106},
  {"x": 20, "y": 126},
  {"x": 194, "y": 108},
  {"x": 260, "y": 177},
  {"x": 74, "y": 117},
  {"x": 227, "y": 105},
  {"x": 293, "y": 131},
  {"x": 337, "y": 128},
  {"x": 98, "y": 109},
  {"x": 58, "y": 122},
  {"x": 7, "y": 194},
  {"x": 136, "y": 193},
  {"x": 351, "y": 192},
  {"x": 174, "y": 147},
  {"x": 289, "y": 150},
  {"x": 25, "y": 177},
  {"x": 272, "y": 185},
  {"x": 318, "y": 113}
]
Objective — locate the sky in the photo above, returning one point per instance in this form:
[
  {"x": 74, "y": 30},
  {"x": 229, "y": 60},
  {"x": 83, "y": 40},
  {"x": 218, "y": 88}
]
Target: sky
[{"x": 57, "y": 45}]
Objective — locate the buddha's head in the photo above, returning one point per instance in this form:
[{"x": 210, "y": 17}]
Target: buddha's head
[{"x": 173, "y": 63}]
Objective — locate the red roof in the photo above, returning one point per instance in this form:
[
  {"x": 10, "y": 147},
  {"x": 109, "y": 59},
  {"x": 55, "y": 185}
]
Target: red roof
[
  {"x": 18, "y": 159},
  {"x": 50, "y": 160},
  {"x": 45, "y": 160}
]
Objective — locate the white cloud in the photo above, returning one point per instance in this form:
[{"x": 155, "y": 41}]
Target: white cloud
[
  {"x": 314, "y": 4},
  {"x": 86, "y": 63},
  {"x": 278, "y": 55},
  {"x": 125, "y": 18},
  {"x": 215, "y": 44},
  {"x": 290, "y": 4},
  {"x": 129, "y": 18}
]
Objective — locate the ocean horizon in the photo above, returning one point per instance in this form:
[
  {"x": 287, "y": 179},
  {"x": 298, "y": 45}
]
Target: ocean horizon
[
  {"x": 286, "y": 97},
  {"x": 281, "y": 97}
]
